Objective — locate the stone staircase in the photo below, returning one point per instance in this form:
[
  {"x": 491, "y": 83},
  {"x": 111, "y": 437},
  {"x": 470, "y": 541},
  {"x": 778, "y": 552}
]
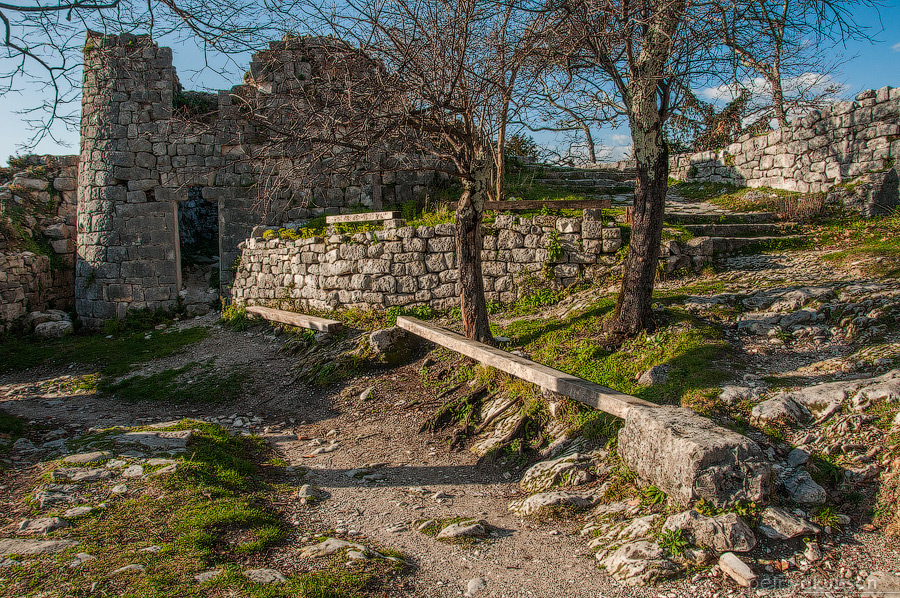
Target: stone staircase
[{"x": 734, "y": 232}]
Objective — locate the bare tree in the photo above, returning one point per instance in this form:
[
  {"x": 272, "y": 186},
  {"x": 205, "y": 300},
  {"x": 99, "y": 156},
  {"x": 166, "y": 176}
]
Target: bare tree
[
  {"x": 441, "y": 75},
  {"x": 42, "y": 43},
  {"x": 650, "y": 54},
  {"x": 785, "y": 43}
]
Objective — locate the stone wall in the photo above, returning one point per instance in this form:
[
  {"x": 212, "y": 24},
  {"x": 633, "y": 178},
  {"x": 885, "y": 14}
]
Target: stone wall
[
  {"x": 814, "y": 153},
  {"x": 37, "y": 214},
  {"x": 146, "y": 144},
  {"x": 409, "y": 266}
]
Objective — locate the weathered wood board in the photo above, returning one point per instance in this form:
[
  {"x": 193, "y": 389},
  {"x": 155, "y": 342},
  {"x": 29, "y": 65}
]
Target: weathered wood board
[
  {"x": 596, "y": 396},
  {"x": 294, "y": 319}
]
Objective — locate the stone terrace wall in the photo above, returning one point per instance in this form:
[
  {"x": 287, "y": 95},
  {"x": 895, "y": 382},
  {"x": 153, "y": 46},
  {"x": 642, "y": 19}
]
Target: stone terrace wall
[
  {"x": 813, "y": 154},
  {"x": 409, "y": 266},
  {"x": 26, "y": 284},
  {"x": 38, "y": 205}
]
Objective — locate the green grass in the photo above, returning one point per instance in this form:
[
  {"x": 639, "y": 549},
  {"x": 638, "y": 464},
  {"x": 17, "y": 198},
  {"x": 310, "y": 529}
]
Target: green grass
[
  {"x": 193, "y": 383},
  {"x": 11, "y": 429},
  {"x": 113, "y": 356},
  {"x": 216, "y": 511},
  {"x": 688, "y": 346}
]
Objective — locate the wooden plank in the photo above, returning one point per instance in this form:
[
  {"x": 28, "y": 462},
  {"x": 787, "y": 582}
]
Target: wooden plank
[
  {"x": 537, "y": 204},
  {"x": 596, "y": 396},
  {"x": 294, "y": 319},
  {"x": 364, "y": 217}
]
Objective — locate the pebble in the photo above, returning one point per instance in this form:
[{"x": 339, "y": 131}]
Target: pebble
[
  {"x": 265, "y": 576},
  {"x": 133, "y": 568},
  {"x": 474, "y": 586}
]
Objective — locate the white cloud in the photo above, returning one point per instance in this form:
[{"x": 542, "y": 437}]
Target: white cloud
[
  {"x": 806, "y": 84},
  {"x": 620, "y": 139},
  {"x": 896, "y": 47}
]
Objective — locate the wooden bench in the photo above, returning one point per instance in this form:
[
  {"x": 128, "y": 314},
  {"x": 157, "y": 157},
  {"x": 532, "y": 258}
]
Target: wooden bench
[
  {"x": 364, "y": 217},
  {"x": 294, "y": 319},
  {"x": 537, "y": 204},
  {"x": 596, "y": 396}
]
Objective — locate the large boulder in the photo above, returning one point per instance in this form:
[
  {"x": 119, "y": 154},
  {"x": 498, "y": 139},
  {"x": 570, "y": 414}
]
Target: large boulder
[
  {"x": 392, "y": 345},
  {"x": 54, "y": 329},
  {"x": 690, "y": 458},
  {"x": 723, "y": 533},
  {"x": 568, "y": 470}
]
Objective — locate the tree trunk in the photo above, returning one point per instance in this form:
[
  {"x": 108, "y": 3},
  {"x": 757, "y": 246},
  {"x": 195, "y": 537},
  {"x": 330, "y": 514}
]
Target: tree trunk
[
  {"x": 633, "y": 309},
  {"x": 778, "y": 98},
  {"x": 589, "y": 139},
  {"x": 469, "y": 213}
]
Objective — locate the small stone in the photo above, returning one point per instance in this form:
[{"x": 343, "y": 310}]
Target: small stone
[
  {"x": 207, "y": 575},
  {"x": 80, "y": 474},
  {"x": 81, "y": 557},
  {"x": 813, "y": 553},
  {"x": 737, "y": 569},
  {"x": 265, "y": 576},
  {"x": 51, "y": 330},
  {"x": 471, "y": 528},
  {"x": 474, "y": 586},
  {"x": 655, "y": 376},
  {"x": 535, "y": 503},
  {"x": 76, "y": 512},
  {"x": 797, "y": 457},
  {"x": 119, "y": 489},
  {"x": 309, "y": 493},
  {"x": 356, "y": 555},
  {"x": 33, "y": 547},
  {"x": 803, "y": 489},
  {"x": 367, "y": 394},
  {"x": 779, "y": 524},
  {"x": 152, "y": 549},
  {"x": 133, "y": 471}
]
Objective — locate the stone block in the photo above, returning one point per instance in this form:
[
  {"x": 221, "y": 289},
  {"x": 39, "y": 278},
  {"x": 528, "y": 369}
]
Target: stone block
[{"x": 690, "y": 458}]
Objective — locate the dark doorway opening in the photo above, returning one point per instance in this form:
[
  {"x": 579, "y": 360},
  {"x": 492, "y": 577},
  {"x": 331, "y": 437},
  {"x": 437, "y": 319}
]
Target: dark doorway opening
[{"x": 198, "y": 236}]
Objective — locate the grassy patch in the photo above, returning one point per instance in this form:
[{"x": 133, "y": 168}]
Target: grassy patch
[
  {"x": 686, "y": 345},
  {"x": 215, "y": 512},
  {"x": 193, "y": 383},
  {"x": 114, "y": 356}
]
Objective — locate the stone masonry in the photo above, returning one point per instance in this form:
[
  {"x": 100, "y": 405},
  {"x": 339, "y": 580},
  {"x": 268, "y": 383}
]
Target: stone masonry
[{"x": 408, "y": 266}]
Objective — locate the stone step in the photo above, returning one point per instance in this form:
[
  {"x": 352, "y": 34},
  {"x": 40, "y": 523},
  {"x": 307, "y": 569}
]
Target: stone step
[
  {"x": 578, "y": 174},
  {"x": 722, "y": 245},
  {"x": 741, "y": 229},
  {"x": 732, "y": 218}
]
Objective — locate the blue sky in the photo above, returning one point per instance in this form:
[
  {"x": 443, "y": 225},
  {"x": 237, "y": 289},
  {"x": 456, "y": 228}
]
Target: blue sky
[{"x": 872, "y": 65}]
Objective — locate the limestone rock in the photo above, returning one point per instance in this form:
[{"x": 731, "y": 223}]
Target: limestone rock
[
  {"x": 688, "y": 457},
  {"x": 563, "y": 471},
  {"x": 655, "y": 376},
  {"x": 165, "y": 441},
  {"x": 81, "y": 557},
  {"x": 205, "y": 576},
  {"x": 82, "y": 458},
  {"x": 474, "y": 586},
  {"x": 779, "y": 524},
  {"x": 392, "y": 345},
  {"x": 76, "y": 512},
  {"x": 726, "y": 532},
  {"x": 44, "y": 525},
  {"x": 732, "y": 395},
  {"x": 132, "y": 568},
  {"x": 535, "y": 503},
  {"x": 639, "y": 563},
  {"x": 813, "y": 553},
  {"x": 330, "y": 546},
  {"x": 471, "y": 528},
  {"x": 33, "y": 547},
  {"x": 265, "y": 576},
  {"x": 737, "y": 569},
  {"x": 779, "y": 410},
  {"x": 54, "y": 329},
  {"x": 803, "y": 489},
  {"x": 80, "y": 474}
]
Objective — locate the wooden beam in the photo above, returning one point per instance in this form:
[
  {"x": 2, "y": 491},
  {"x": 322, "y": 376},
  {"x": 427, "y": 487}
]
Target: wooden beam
[
  {"x": 537, "y": 204},
  {"x": 364, "y": 217},
  {"x": 596, "y": 396},
  {"x": 294, "y": 319}
]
